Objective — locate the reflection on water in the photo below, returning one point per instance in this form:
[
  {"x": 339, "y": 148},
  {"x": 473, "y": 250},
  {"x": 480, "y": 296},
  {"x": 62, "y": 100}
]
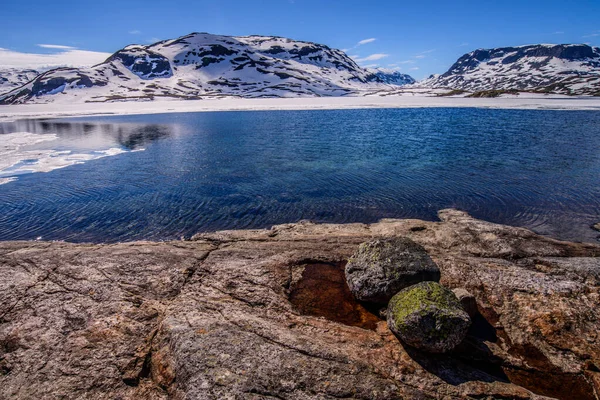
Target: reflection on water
[
  {"x": 43, "y": 146},
  {"x": 129, "y": 136},
  {"x": 232, "y": 170}
]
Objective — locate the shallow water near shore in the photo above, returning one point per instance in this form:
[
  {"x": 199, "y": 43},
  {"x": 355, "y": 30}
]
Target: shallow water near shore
[{"x": 165, "y": 176}]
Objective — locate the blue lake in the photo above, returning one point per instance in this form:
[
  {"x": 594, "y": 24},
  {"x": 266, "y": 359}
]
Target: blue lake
[{"x": 185, "y": 173}]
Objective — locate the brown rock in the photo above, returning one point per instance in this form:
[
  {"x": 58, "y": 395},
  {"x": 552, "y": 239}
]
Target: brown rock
[
  {"x": 214, "y": 318},
  {"x": 467, "y": 300}
]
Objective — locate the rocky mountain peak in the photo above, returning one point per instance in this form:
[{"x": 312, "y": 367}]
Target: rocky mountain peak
[
  {"x": 203, "y": 65},
  {"x": 565, "y": 68}
]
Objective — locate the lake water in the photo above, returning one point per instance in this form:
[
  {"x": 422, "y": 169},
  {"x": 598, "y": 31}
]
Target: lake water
[{"x": 172, "y": 175}]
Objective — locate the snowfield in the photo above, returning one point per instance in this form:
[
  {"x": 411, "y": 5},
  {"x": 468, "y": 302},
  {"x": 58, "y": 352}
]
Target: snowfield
[{"x": 408, "y": 99}]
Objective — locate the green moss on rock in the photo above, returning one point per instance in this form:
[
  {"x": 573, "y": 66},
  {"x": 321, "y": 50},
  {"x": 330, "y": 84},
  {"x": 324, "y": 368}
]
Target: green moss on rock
[{"x": 429, "y": 317}]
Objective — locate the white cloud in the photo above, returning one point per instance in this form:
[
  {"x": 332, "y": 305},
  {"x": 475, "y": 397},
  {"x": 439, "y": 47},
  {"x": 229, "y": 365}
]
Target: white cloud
[
  {"x": 591, "y": 35},
  {"x": 406, "y": 62},
  {"x": 463, "y": 44},
  {"x": 56, "y": 46},
  {"x": 360, "y": 43},
  {"x": 67, "y": 58},
  {"x": 558, "y": 33},
  {"x": 153, "y": 40},
  {"x": 372, "y": 57},
  {"x": 422, "y": 54},
  {"x": 135, "y": 32},
  {"x": 365, "y": 41},
  {"x": 414, "y": 69}
]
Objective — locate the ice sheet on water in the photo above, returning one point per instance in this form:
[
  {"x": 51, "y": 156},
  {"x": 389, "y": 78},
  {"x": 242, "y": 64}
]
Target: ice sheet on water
[{"x": 18, "y": 158}]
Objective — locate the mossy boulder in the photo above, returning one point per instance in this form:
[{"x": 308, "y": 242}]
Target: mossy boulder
[
  {"x": 429, "y": 317},
  {"x": 381, "y": 268}
]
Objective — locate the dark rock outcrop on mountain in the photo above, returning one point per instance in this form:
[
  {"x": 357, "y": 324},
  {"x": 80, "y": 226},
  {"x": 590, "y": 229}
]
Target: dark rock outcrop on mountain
[
  {"x": 143, "y": 62},
  {"x": 11, "y": 78},
  {"x": 572, "y": 69},
  {"x": 201, "y": 65},
  {"x": 266, "y": 314},
  {"x": 391, "y": 76}
]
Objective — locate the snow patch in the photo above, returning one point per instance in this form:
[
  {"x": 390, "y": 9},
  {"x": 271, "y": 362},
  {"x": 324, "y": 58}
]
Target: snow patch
[{"x": 17, "y": 157}]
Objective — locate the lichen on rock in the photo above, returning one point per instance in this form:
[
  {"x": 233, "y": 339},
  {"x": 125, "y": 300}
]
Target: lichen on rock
[
  {"x": 381, "y": 268},
  {"x": 429, "y": 317}
]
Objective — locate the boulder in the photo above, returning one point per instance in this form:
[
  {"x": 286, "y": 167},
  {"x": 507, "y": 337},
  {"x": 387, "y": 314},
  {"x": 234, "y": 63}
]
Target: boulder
[
  {"x": 381, "y": 268},
  {"x": 429, "y": 317}
]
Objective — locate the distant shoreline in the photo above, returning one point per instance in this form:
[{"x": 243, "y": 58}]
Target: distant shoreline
[{"x": 523, "y": 102}]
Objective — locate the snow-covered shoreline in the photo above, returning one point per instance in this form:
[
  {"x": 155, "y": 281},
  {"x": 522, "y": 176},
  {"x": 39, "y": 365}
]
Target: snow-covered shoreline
[{"x": 523, "y": 101}]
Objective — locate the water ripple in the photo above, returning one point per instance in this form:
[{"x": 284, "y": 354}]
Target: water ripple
[{"x": 233, "y": 170}]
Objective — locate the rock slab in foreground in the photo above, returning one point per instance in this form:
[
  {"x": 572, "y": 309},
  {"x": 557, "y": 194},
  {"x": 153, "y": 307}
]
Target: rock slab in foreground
[
  {"x": 213, "y": 319},
  {"x": 429, "y": 317},
  {"x": 381, "y": 268}
]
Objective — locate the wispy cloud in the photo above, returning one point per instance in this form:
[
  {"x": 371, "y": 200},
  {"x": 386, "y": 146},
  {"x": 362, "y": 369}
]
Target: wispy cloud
[
  {"x": 365, "y": 41},
  {"x": 65, "y": 58},
  {"x": 360, "y": 43},
  {"x": 558, "y": 33},
  {"x": 56, "y": 46},
  {"x": 135, "y": 32},
  {"x": 463, "y": 44},
  {"x": 153, "y": 40},
  {"x": 592, "y": 35},
  {"x": 423, "y": 54},
  {"x": 414, "y": 69},
  {"x": 406, "y": 62},
  {"x": 372, "y": 57}
]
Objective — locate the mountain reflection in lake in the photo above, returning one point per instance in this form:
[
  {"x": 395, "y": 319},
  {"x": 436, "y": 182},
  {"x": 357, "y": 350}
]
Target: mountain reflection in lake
[
  {"x": 42, "y": 146},
  {"x": 233, "y": 170},
  {"x": 90, "y": 135}
]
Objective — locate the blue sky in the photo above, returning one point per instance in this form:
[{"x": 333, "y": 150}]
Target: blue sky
[{"x": 419, "y": 37}]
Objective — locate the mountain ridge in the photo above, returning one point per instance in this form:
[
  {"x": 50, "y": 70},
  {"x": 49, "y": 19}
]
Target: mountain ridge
[
  {"x": 202, "y": 65},
  {"x": 572, "y": 69}
]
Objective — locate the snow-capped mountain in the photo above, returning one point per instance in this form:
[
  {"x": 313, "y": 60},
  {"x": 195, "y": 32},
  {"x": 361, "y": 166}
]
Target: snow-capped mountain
[
  {"x": 202, "y": 65},
  {"x": 565, "y": 69},
  {"x": 392, "y": 76},
  {"x": 11, "y": 78}
]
